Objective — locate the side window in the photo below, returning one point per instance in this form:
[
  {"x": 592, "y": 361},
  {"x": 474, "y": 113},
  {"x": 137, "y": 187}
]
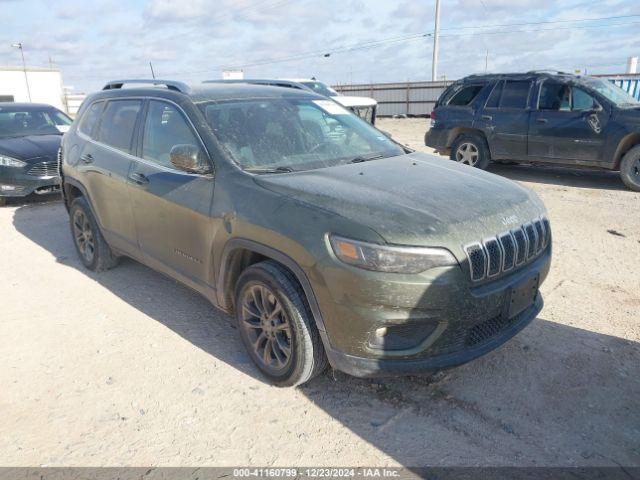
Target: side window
[
  {"x": 581, "y": 100},
  {"x": 465, "y": 96},
  {"x": 515, "y": 94},
  {"x": 494, "y": 99},
  {"x": 90, "y": 118},
  {"x": 117, "y": 123},
  {"x": 164, "y": 128},
  {"x": 555, "y": 96}
]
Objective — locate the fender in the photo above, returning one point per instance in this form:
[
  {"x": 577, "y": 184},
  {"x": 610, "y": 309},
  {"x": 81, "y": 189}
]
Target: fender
[{"x": 284, "y": 259}]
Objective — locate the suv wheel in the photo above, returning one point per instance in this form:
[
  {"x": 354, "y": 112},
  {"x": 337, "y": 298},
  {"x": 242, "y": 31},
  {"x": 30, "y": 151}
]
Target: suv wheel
[
  {"x": 276, "y": 325},
  {"x": 94, "y": 252},
  {"x": 471, "y": 150},
  {"x": 630, "y": 168}
]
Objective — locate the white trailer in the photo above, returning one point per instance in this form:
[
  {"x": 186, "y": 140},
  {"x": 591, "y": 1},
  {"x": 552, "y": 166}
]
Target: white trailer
[{"x": 37, "y": 85}]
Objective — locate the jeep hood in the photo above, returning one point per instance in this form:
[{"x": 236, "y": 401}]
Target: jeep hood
[{"x": 414, "y": 199}]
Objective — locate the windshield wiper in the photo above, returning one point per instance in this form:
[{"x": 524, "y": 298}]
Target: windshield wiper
[
  {"x": 366, "y": 158},
  {"x": 269, "y": 170}
]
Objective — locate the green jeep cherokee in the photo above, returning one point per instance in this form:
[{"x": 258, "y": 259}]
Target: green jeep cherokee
[{"x": 328, "y": 241}]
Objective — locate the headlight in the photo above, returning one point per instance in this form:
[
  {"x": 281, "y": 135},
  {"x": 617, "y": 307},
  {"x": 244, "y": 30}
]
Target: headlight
[
  {"x": 10, "y": 162},
  {"x": 390, "y": 259}
]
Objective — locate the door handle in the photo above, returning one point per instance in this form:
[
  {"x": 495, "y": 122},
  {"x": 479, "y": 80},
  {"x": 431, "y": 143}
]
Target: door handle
[
  {"x": 542, "y": 120},
  {"x": 138, "y": 178},
  {"x": 487, "y": 117},
  {"x": 87, "y": 158}
]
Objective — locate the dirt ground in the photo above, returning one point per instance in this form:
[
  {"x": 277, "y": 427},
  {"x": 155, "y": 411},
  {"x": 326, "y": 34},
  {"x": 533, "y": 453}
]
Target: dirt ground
[{"x": 128, "y": 367}]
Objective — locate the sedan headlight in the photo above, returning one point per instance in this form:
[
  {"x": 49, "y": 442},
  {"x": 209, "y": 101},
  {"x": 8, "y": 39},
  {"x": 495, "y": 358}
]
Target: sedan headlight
[
  {"x": 382, "y": 258},
  {"x": 10, "y": 162}
]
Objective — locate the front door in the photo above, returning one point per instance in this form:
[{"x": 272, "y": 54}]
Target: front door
[
  {"x": 105, "y": 159},
  {"x": 171, "y": 207},
  {"x": 568, "y": 125}
]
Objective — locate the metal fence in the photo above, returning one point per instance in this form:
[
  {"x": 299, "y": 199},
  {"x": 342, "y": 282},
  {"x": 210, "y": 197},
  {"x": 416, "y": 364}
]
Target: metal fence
[
  {"x": 418, "y": 98},
  {"x": 407, "y": 98},
  {"x": 629, "y": 82}
]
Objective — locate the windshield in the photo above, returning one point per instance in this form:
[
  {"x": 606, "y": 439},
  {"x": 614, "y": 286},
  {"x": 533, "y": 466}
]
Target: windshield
[
  {"x": 18, "y": 121},
  {"x": 294, "y": 133},
  {"x": 612, "y": 92},
  {"x": 321, "y": 89}
]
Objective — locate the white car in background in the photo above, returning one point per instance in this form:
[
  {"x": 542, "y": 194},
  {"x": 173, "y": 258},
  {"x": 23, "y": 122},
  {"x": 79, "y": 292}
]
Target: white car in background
[{"x": 364, "y": 107}]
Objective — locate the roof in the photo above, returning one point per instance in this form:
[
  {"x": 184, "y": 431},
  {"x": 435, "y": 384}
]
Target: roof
[
  {"x": 516, "y": 76},
  {"x": 217, "y": 90},
  {"x": 24, "y": 105}
]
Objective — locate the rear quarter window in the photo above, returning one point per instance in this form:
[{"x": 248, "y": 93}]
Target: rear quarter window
[
  {"x": 465, "y": 95},
  {"x": 90, "y": 118}
]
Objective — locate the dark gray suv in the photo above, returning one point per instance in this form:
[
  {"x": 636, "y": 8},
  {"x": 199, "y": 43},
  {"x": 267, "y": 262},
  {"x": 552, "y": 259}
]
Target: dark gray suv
[
  {"x": 540, "y": 118},
  {"x": 328, "y": 241}
]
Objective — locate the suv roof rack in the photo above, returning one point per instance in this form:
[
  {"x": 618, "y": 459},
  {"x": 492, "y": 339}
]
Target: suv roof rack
[{"x": 170, "y": 84}]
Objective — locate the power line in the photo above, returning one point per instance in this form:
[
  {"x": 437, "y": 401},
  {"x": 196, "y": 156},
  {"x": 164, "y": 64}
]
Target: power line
[
  {"x": 327, "y": 52},
  {"x": 543, "y": 22},
  {"x": 414, "y": 36}
]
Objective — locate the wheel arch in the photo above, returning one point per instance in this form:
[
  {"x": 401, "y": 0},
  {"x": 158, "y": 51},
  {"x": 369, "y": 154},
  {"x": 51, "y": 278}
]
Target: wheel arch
[
  {"x": 457, "y": 131},
  {"x": 627, "y": 143},
  {"x": 240, "y": 253}
]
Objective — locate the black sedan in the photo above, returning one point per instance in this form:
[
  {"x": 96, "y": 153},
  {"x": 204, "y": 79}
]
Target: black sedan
[{"x": 30, "y": 137}]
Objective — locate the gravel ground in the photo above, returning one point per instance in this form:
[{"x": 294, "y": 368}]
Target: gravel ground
[{"x": 128, "y": 367}]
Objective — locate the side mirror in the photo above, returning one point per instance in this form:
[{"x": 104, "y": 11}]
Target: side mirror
[{"x": 189, "y": 158}]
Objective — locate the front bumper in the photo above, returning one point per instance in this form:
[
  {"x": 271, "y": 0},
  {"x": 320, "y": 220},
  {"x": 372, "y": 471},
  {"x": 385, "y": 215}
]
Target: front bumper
[
  {"x": 449, "y": 320},
  {"x": 15, "y": 182}
]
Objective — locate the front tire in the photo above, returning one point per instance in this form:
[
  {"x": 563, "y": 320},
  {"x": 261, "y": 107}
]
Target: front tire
[
  {"x": 471, "y": 149},
  {"x": 91, "y": 246},
  {"x": 630, "y": 169},
  {"x": 276, "y": 325}
]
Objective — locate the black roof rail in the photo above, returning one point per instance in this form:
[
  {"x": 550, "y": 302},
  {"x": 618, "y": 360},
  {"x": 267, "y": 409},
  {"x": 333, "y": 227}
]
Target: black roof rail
[
  {"x": 262, "y": 81},
  {"x": 550, "y": 71},
  {"x": 170, "y": 84}
]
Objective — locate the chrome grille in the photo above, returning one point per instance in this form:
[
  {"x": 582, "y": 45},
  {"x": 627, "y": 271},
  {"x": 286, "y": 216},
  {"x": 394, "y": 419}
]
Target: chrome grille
[
  {"x": 44, "y": 169},
  {"x": 507, "y": 250}
]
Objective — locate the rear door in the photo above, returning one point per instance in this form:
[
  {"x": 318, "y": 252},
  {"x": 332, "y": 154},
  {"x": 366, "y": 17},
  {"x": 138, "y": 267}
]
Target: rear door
[
  {"x": 568, "y": 124},
  {"x": 505, "y": 119},
  {"x": 171, "y": 207},
  {"x": 105, "y": 158}
]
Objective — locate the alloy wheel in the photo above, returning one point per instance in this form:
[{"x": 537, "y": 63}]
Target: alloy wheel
[
  {"x": 267, "y": 327},
  {"x": 83, "y": 235},
  {"x": 468, "y": 154}
]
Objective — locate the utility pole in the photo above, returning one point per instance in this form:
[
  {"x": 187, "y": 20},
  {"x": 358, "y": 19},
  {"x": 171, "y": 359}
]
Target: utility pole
[
  {"x": 24, "y": 67},
  {"x": 436, "y": 33}
]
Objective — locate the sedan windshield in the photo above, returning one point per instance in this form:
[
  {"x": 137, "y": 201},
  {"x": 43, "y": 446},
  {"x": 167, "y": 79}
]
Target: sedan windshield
[
  {"x": 612, "y": 92},
  {"x": 20, "y": 121},
  {"x": 288, "y": 134}
]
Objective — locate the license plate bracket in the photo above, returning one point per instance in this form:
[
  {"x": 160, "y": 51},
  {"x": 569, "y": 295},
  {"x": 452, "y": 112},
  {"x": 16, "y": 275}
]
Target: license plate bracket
[{"x": 522, "y": 296}]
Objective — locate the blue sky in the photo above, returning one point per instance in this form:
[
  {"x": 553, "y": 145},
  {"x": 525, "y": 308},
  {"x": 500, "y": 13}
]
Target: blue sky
[{"x": 94, "y": 41}]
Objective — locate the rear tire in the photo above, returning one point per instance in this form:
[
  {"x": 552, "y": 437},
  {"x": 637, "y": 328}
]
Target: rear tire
[
  {"x": 91, "y": 246},
  {"x": 471, "y": 149},
  {"x": 630, "y": 169},
  {"x": 276, "y": 325}
]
